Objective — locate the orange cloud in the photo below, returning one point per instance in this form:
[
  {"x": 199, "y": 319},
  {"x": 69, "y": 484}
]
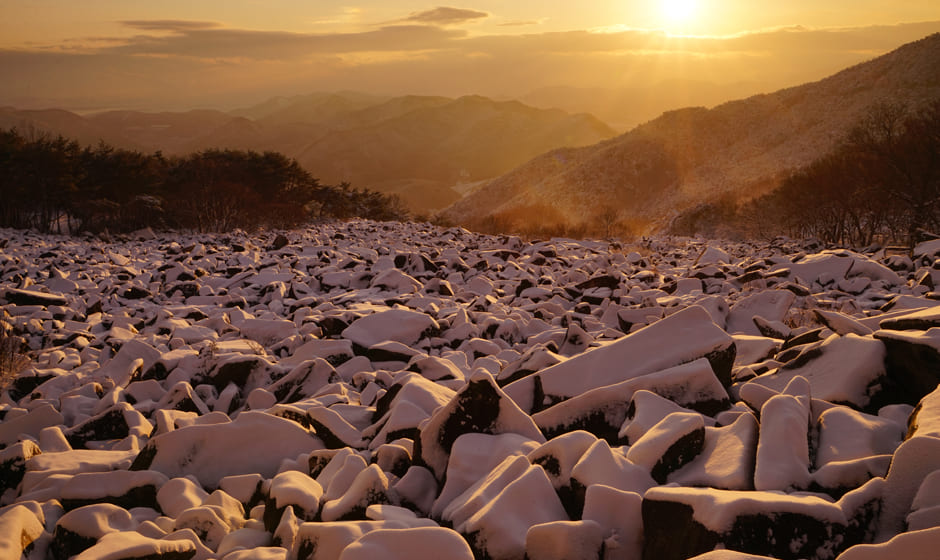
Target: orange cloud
[{"x": 443, "y": 15}]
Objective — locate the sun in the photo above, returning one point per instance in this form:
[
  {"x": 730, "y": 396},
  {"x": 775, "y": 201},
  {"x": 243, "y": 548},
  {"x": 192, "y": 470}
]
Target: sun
[{"x": 678, "y": 12}]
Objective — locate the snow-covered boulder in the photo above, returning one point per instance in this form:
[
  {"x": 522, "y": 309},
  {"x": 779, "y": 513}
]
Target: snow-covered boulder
[
  {"x": 214, "y": 451},
  {"x": 841, "y": 369},
  {"x": 480, "y": 407},
  {"x": 913, "y": 361},
  {"x": 682, "y": 337},
  {"x": 683, "y": 522}
]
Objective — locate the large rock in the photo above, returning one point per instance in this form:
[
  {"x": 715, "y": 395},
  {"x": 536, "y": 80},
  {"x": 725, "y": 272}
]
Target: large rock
[
  {"x": 212, "y": 452},
  {"x": 925, "y": 419},
  {"x": 672, "y": 443},
  {"x": 398, "y": 325},
  {"x": 842, "y": 369},
  {"x": 680, "y": 522},
  {"x": 127, "y": 489},
  {"x": 912, "y": 361},
  {"x": 419, "y": 543},
  {"x": 479, "y": 407},
  {"x": 783, "y": 446},
  {"x": 604, "y": 410},
  {"x": 19, "y": 529},
  {"x": 682, "y": 337},
  {"x": 727, "y": 458},
  {"x": 496, "y": 512}
]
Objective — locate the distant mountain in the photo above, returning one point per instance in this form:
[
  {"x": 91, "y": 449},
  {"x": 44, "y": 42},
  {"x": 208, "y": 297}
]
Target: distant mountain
[
  {"x": 627, "y": 107},
  {"x": 62, "y": 122},
  {"x": 690, "y": 156},
  {"x": 416, "y": 146},
  {"x": 444, "y": 141},
  {"x": 309, "y": 109}
]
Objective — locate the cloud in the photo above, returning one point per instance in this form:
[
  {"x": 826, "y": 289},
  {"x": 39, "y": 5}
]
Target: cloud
[
  {"x": 212, "y": 64},
  {"x": 176, "y": 25},
  {"x": 215, "y": 43},
  {"x": 519, "y": 23},
  {"x": 444, "y": 15}
]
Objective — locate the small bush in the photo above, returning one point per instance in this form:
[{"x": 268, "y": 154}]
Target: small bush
[{"x": 12, "y": 361}]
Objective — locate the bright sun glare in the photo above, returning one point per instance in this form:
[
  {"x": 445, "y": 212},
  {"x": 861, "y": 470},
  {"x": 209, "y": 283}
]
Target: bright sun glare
[{"x": 678, "y": 11}]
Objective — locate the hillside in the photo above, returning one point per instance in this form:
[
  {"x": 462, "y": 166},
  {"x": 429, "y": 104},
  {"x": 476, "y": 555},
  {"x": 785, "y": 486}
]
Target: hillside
[
  {"x": 462, "y": 140},
  {"x": 689, "y": 156},
  {"x": 415, "y": 146}
]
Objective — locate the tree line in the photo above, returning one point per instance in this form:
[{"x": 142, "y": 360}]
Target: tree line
[
  {"x": 53, "y": 184},
  {"x": 881, "y": 184}
]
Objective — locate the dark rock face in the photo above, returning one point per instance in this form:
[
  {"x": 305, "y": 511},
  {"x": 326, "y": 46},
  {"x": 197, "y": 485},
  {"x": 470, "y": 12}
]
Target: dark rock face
[
  {"x": 66, "y": 544},
  {"x": 13, "y": 463},
  {"x": 671, "y": 532},
  {"x": 280, "y": 242},
  {"x": 913, "y": 368},
  {"x": 782, "y": 527},
  {"x": 479, "y": 407},
  {"x": 139, "y": 496},
  {"x": 722, "y": 360},
  {"x": 679, "y": 454},
  {"x": 477, "y": 410},
  {"x": 25, "y": 384},
  {"x": 110, "y": 424},
  {"x": 234, "y": 371},
  {"x": 31, "y": 297}
]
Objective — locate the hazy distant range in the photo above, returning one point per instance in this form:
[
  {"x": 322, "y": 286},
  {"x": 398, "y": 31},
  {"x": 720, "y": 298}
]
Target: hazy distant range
[{"x": 426, "y": 149}]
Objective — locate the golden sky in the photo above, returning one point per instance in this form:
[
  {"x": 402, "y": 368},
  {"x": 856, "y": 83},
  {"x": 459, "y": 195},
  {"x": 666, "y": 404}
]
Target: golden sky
[{"x": 223, "y": 53}]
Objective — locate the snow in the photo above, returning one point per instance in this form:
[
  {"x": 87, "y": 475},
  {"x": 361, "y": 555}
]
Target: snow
[
  {"x": 842, "y": 369},
  {"x": 682, "y": 337},
  {"x": 472, "y": 457},
  {"x": 29, "y": 424},
  {"x": 564, "y": 540},
  {"x": 420, "y": 543},
  {"x": 398, "y": 325},
  {"x": 914, "y": 545},
  {"x": 602, "y": 465},
  {"x": 223, "y": 400},
  {"x": 783, "y": 446},
  {"x": 727, "y": 458},
  {"x": 771, "y": 305},
  {"x": 501, "y": 523},
  {"x": 179, "y": 494},
  {"x": 650, "y": 448},
  {"x": 128, "y": 544},
  {"x": 618, "y": 514},
  {"x": 242, "y": 446},
  {"x": 19, "y": 528},
  {"x": 846, "y": 434},
  {"x": 296, "y": 488},
  {"x": 463, "y": 415},
  {"x": 559, "y": 455},
  {"x": 718, "y": 509},
  {"x": 913, "y": 461}
]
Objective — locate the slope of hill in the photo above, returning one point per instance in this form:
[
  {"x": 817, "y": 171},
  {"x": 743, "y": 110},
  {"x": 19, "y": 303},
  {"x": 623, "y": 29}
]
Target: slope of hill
[{"x": 689, "y": 156}]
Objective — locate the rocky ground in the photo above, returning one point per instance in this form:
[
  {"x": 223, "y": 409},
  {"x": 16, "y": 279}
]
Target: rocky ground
[{"x": 373, "y": 390}]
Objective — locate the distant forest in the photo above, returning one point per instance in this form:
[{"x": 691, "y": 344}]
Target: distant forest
[
  {"x": 52, "y": 184},
  {"x": 881, "y": 184}
]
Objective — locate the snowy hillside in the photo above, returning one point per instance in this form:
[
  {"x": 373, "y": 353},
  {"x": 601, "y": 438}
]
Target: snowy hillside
[
  {"x": 691, "y": 156},
  {"x": 383, "y": 390}
]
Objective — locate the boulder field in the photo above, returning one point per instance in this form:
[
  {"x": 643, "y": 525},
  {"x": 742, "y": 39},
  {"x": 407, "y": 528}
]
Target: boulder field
[{"x": 383, "y": 390}]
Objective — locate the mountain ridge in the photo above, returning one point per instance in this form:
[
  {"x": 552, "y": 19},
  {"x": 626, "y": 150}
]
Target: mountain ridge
[{"x": 742, "y": 148}]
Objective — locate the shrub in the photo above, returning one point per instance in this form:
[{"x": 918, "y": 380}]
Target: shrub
[{"x": 12, "y": 361}]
